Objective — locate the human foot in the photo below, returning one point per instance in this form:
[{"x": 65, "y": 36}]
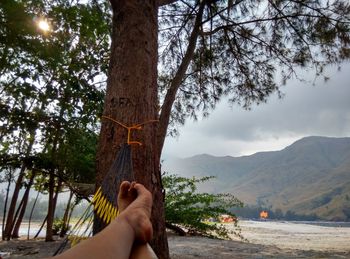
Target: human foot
[{"x": 135, "y": 206}]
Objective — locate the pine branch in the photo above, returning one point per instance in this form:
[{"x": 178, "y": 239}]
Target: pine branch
[
  {"x": 176, "y": 82},
  {"x": 276, "y": 18}
]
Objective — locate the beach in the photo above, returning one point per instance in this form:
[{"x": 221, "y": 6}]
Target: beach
[
  {"x": 263, "y": 239},
  {"x": 297, "y": 235}
]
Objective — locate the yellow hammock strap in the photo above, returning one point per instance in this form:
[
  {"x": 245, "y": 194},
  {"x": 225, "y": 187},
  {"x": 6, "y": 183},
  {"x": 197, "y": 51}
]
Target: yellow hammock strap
[
  {"x": 103, "y": 208},
  {"x": 129, "y": 128}
]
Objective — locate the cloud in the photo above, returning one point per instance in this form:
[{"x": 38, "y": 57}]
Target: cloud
[{"x": 321, "y": 109}]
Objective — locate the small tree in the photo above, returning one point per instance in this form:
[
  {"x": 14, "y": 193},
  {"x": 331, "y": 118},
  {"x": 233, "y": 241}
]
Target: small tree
[{"x": 185, "y": 208}]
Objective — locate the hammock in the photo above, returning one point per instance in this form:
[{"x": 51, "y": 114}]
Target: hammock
[
  {"x": 82, "y": 189},
  {"x": 104, "y": 202}
]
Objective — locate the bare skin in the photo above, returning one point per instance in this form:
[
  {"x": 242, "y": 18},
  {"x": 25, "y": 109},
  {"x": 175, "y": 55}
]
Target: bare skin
[
  {"x": 127, "y": 236},
  {"x": 127, "y": 194}
]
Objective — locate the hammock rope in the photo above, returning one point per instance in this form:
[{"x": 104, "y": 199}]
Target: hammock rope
[
  {"x": 129, "y": 128},
  {"x": 104, "y": 202}
]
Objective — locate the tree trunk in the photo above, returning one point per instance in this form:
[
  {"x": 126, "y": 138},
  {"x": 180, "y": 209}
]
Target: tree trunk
[
  {"x": 12, "y": 208},
  {"x": 46, "y": 218},
  {"x": 176, "y": 229},
  {"x": 31, "y": 212},
  {"x": 10, "y": 219},
  {"x": 16, "y": 214},
  {"x": 65, "y": 216},
  {"x": 50, "y": 209},
  {"x": 15, "y": 232},
  {"x": 41, "y": 227},
  {"x": 71, "y": 212},
  {"x": 52, "y": 206},
  {"x": 132, "y": 99},
  {"x": 5, "y": 205}
]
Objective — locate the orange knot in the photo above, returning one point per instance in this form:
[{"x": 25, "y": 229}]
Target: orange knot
[{"x": 129, "y": 128}]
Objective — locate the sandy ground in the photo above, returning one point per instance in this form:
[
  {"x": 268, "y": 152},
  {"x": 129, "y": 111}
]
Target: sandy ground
[
  {"x": 297, "y": 236},
  {"x": 265, "y": 240}
]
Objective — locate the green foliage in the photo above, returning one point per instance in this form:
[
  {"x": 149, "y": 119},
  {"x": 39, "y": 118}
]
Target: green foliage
[
  {"x": 346, "y": 211},
  {"x": 242, "y": 45},
  {"x": 189, "y": 209},
  {"x": 52, "y": 85},
  {"x": 57, "y": 226},
  {"x": 76, "y": 155}
]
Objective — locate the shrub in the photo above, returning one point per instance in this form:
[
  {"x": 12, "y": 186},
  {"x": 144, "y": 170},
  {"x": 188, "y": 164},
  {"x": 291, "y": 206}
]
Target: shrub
[
  {"x": 188, "y": 210},
  {"x": 57, "y": 227}
]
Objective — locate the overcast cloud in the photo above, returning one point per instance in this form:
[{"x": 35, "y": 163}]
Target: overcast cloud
[{"x": 322, "y": 109}]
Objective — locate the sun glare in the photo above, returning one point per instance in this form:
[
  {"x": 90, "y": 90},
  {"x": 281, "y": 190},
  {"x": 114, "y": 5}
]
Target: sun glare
[{"x": 44, "y": 25}]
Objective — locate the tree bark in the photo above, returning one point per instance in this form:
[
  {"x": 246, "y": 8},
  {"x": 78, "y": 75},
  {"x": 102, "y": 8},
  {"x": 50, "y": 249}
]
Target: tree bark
[
  {"x": 46, "y": 218},
  {"x": 65, "y": 216},
  {"x": 71, "y": 212},
  {"x": 175, "y": 228},
  {"x": 51, "y": 202},
  {"x": 11, "y": 211},
  {"x": 53, "y": 196},
  {"x": 41, "y": 227},
  {"x": 50, "y": 210},
  {"x": 31, "y": 212},
  {"x": 15, "y": 232},
  {"x": 131, "y": 99},
  {"x": 5, "y": 205}
]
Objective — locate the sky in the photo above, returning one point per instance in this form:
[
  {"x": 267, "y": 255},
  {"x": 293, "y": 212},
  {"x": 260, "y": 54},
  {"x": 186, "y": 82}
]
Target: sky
[{"x": 311, "y": 108}]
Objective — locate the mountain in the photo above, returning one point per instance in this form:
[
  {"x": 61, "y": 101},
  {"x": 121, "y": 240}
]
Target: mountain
[{"x": 310, "y": 176}]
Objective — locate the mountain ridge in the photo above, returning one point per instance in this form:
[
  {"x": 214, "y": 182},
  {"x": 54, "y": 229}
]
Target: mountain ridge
[{"x": 312, "y": 175}]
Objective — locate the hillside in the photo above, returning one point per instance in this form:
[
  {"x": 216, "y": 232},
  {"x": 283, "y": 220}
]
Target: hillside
[{"x": 310, "y": 176}]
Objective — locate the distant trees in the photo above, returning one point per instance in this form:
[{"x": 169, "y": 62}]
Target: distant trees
[
  {"x": 51, "y": 89},
  {"x": 40, "y": 211},
  {"x": 346, "y": 212},
  {"x": 253, "y": 212}
]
